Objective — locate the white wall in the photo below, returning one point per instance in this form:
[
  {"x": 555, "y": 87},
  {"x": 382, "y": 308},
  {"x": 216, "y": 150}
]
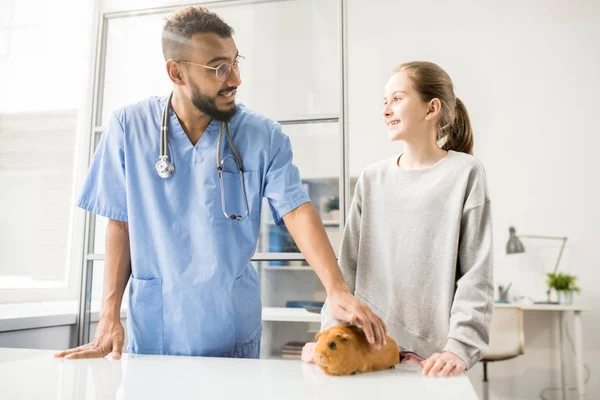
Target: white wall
[{"x": 527, "y": 72}]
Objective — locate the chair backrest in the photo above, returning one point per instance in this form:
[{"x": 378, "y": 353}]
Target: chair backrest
[{"x": 507, "y": 338}]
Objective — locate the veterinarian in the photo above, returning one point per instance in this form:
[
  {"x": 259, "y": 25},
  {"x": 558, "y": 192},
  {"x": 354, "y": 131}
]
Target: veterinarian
[{"x": 181, "y": 178}]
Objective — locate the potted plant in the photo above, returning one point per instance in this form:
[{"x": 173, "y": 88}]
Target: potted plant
[{"x": 564, "y": 284}]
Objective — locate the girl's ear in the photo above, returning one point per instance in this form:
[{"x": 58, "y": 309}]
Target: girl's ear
[{"x": 434, "y": 108}]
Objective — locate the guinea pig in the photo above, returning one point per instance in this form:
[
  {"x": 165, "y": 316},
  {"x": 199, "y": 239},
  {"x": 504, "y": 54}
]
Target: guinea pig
[{"x": 345, "y": 350}]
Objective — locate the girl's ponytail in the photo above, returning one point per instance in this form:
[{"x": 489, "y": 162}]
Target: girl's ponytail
[{"x": 460, "y": 134}]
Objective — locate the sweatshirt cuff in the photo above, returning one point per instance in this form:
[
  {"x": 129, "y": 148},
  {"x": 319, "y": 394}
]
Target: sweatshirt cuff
[
  {"x": 470, "y": 355},
  {"x": 327, "y": 321}
]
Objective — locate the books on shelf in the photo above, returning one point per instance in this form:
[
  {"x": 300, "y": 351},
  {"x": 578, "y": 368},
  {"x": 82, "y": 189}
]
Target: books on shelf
[{"x": 292, "y": 350}]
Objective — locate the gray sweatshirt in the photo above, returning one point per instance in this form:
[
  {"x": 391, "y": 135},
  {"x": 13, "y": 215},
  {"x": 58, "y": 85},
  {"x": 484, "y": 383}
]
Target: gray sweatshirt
[{"x": 417, "y": 248}]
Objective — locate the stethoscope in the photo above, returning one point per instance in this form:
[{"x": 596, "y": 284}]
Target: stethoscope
[{"x": 165, "y": 168}]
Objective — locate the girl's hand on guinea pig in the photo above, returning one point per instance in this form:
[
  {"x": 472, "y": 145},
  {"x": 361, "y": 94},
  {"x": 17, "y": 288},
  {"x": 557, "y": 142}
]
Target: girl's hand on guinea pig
[
  {"x": 308, "y": 353},
  {"x": 443, "y": 364},
  {"x": 343, "y": 306}
]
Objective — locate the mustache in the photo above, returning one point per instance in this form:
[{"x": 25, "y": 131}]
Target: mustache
[{"x": 227, "y": 89}]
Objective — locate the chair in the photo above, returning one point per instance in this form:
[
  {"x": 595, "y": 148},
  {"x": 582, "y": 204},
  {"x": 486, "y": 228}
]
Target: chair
[{"x": 507, "y": 339}]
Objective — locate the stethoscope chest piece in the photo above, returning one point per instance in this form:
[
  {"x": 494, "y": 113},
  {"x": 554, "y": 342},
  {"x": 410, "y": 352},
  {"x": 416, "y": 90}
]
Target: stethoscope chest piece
[{"x": 164, "y": 168}]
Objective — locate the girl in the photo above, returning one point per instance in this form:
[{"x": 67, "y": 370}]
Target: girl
[{"x": 417, "y": 247}]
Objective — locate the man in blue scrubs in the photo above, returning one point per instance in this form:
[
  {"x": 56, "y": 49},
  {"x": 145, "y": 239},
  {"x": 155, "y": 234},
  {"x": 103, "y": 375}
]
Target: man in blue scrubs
[{"x": 193, "y": 290}]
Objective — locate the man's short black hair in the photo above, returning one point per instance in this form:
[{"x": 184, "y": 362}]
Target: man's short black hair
[{"x": 180, "y": 26}]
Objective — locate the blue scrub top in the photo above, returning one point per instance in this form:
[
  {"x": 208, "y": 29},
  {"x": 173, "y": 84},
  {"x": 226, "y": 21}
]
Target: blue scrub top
[{"x": 193, "y": 290}]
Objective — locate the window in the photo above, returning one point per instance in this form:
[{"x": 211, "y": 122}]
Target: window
[{"x": 42, "y": 79}]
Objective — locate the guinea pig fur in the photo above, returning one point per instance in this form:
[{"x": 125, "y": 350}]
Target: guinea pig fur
[{"x": 345, "y": 350}]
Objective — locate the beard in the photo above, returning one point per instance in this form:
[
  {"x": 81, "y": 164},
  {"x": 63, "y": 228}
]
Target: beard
[{"x": 207, "y": 105}]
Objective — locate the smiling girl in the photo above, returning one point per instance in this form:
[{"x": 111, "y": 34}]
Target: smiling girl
[{"x": 417, "y": 247}]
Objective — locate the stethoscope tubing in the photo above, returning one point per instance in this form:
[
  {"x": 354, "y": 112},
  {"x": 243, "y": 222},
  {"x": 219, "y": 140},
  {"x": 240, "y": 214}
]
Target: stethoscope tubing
[{"x": 165, "y": 168}]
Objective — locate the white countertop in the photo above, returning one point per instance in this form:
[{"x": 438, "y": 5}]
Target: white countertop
[{"x": 35, "y": 374}]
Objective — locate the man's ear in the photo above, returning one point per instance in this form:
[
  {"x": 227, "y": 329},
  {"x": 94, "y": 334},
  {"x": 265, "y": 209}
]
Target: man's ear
[
  {"x": 434, "y": 107},
  {"x": 174, "y": 72}
]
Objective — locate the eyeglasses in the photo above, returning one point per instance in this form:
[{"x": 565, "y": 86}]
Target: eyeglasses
[{"x": 223, "y": 70}]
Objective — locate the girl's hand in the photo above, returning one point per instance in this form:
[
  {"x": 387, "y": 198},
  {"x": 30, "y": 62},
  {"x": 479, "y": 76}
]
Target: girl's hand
[{"x": 443, "y": 364}]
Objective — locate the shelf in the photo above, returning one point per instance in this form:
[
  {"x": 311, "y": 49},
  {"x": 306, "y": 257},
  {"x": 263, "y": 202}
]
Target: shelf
[
  {"x": 278, "y": 257},
  {"x": 288, "y": 268},
  {"x": 309, "y": 119},
  {"x": 331, "y": 222},
  {"x": 326, "y": 222},
  {"x": 286, "y": 314}
]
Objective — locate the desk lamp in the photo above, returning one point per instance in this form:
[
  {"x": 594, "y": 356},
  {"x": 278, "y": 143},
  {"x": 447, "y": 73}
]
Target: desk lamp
[{"x": 515, "y": 246}]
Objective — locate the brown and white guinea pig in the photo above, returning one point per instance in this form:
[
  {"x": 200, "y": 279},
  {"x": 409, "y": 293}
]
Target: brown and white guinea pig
[{"x": 345, "y": 350}]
